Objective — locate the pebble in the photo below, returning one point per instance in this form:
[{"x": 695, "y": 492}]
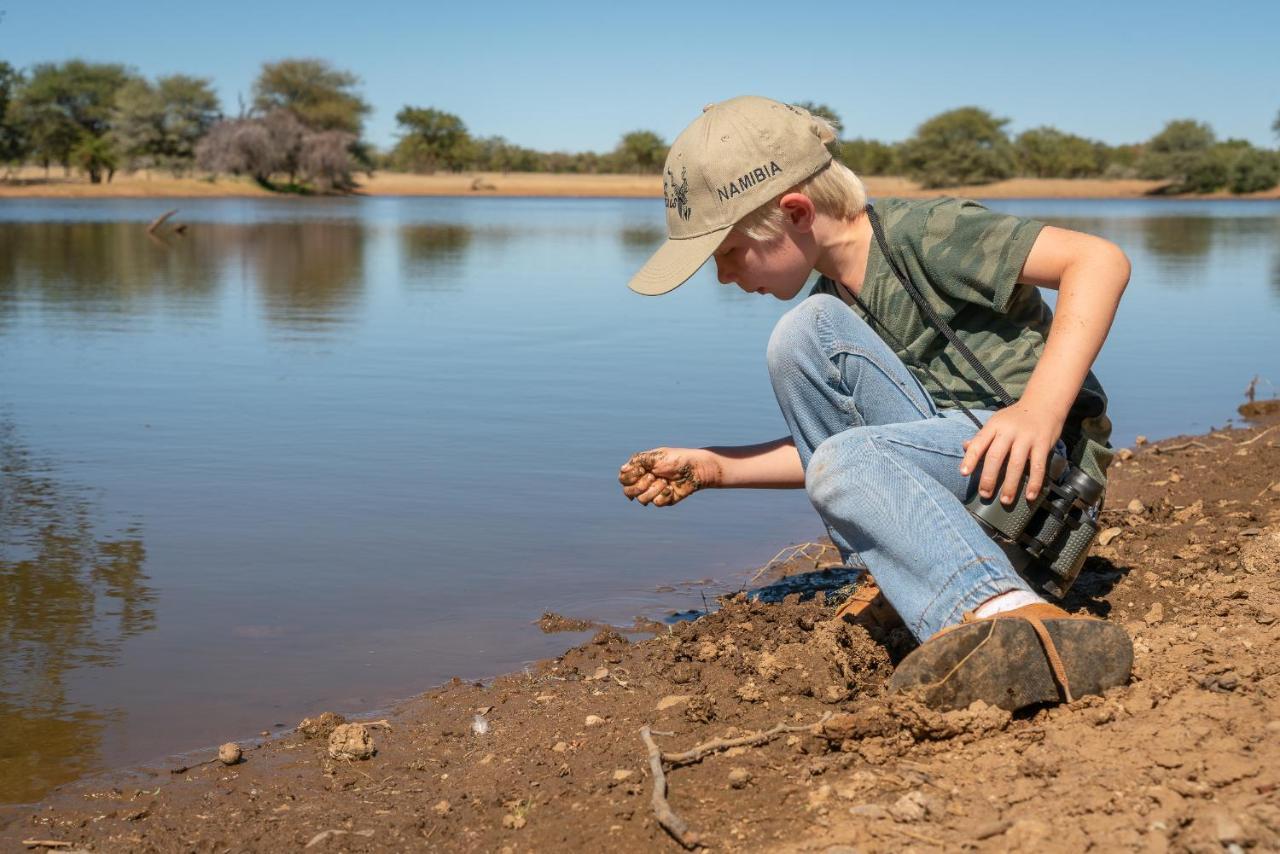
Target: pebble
[
  {"x": 739, "y": 777},
  {"x": 601, "y": 673},
  {"x": 1155, "y": 615},
  {"x": 912, "y": 806},
  {"x": 1124, "y": 454},
  {"x": 513, "y": 822},
  {"x": 230, "y": 753},
  {"x": 1141, "y": 440},
  {"x": 594, "y": 720},
  {"x": 1137, "y": 507},
  {"x": 351, "y": 741},
  {"x": 672, "y": 700},
  {"x": 560, "y": 747},
  {"x": 441, "y": 808},
  {"x": 622, "y": 774}
]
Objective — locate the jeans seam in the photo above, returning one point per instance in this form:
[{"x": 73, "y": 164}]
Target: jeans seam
[
  {"x": 842, "y": 348},
  {"x": 974, "y": 556},
  {"x": 941, "y": 452}
]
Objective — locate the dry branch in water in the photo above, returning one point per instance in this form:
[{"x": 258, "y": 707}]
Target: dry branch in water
[
  {"x": 159, "y": 221},
  {"x": 670, "y": 822}
]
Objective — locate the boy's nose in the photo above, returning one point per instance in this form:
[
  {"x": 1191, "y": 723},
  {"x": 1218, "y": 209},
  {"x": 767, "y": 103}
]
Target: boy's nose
[{"x": 723, "y": 273}]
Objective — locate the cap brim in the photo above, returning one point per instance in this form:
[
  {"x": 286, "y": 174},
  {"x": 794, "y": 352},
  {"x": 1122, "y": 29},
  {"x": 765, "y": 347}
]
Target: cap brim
[{"x": 675, "y": 261}]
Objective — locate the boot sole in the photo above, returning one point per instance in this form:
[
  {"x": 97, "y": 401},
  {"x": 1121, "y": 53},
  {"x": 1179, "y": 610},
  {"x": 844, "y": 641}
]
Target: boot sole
[{"x": 1002, "y": 663}]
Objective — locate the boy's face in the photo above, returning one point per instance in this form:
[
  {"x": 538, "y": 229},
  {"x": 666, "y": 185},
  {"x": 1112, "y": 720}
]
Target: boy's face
[{"x": 779, "y": 267}]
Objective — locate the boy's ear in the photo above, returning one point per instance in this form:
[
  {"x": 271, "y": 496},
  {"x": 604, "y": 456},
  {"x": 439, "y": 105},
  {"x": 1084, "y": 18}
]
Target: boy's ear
[{"x": 799, "y": 210}]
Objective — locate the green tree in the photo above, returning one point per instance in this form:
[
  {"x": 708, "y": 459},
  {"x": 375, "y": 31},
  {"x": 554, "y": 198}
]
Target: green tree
[
  {"x": 868, "y": 156},
  {"x": 1046, "y": 152},
  {"x": 1254, "y": 170},
  {"x": 432, "y": 139},
  {"x": 962, "y": 146},
  {"x": 159, "y": 125},
  {"x": 95, "y": 155},
  {"x": 640, "y": 151},
  {"x": 13, "y": 139},
  {"x": 1178, "y": 149},
  {"x": 318, "y": 95},
  {"x": 1275, "y": 126},
  {"x": 60, "y": 104}
]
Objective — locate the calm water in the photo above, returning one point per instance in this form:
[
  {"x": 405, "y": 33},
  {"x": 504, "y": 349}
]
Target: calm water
[{"x": 323, "y": 454}]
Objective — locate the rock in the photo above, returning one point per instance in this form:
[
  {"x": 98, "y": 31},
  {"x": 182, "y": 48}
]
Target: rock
[
  {"x": 351, "y": 741},
  {"x": 872, "y": 811},
  {"x": 560, "y": 747},
  {"x": 1105, "y": 538},
  {"x": 1137, "y": 507},
  {"x": 441, "y": 808},
  {"x": 513, "y": 822},
  {"x": 1154, "y": 615},
  {"x": 321, "y": 725},
  {"x": 749, "y": 692},
  {"x": 600, "y": 673},
  {"x": 1189, "y": 512},
  {"x": 230, "y": 753},
  {"x": 1141, "y": 440},
  {"x": 739, "y": 777},
  {"x": 621, "y": 774},
  {"x": 1124, "y": 454},
  {"x": 913, "y": 806},
  {"x": 672, "y": 700},
  {"x": 594, "y": 720}
]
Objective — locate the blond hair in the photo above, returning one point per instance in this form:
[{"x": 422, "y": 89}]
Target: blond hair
[{"x": 834, "y": 190}]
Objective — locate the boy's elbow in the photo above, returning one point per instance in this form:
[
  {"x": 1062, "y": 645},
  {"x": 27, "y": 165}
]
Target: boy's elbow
[{"x": 1118, "y": 262}]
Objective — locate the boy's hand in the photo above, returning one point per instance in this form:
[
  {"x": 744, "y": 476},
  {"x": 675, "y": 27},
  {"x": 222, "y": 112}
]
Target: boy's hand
[
  {"x": 665, "y": 476},
  {"x": 1012, "y": 437}
]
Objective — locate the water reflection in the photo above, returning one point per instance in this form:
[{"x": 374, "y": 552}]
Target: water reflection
[
  {"x": 639, "y": 242},
  {"x": 306, "y": 273},
  {"x": 429, "y": 253},
  {"x": 69, "y": 597}
]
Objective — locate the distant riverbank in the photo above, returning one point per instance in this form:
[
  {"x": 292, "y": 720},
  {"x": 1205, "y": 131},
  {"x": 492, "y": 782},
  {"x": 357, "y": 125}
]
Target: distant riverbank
[{"x": 32, "y": 183}]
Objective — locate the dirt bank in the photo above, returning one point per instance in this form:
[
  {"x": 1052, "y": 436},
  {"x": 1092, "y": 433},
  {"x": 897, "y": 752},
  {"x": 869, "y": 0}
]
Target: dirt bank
[
  {"x": 32, "y": 183},
  {"x": 1185, "y": 758}
]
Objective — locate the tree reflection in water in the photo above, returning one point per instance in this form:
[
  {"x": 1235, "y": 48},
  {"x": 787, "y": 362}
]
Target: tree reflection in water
[{"x": 69, "y": 597}]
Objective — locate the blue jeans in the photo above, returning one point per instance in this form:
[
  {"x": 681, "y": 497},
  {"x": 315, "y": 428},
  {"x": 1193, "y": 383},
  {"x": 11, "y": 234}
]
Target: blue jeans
[{"x": 882, "y": 466}]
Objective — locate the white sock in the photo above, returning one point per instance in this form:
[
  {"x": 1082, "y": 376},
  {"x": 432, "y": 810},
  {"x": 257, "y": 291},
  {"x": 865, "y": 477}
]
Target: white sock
[{"x": 1006, "y": 602}]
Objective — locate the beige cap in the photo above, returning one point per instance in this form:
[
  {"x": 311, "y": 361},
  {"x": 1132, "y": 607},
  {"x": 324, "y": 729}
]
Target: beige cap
[{"x": 736, "y": 156}]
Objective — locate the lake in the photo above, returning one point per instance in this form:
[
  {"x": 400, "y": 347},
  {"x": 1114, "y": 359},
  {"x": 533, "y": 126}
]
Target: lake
[{"x": 324, "y": 454}]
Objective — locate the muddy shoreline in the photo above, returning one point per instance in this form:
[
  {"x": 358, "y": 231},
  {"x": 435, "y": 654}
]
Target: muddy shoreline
[{"x": 1185, "y": 758}]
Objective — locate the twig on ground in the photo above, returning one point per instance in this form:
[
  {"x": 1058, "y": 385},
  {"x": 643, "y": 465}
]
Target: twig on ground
[
  {"x": 670, "y": 822},
  {"x": 791, "y": 552},
  {"x": 159, "y": 221},
  {"x": 1166, "y": 449},
  {"x": 1259, "y": 436},
  {"x": 919, "y": 837},
  {"x": 1267, "y": 488},
  {"x": 695, "y": 754}
]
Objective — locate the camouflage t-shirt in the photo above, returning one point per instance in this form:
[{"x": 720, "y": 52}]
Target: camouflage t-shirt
[{"x": 966, "y": 260}]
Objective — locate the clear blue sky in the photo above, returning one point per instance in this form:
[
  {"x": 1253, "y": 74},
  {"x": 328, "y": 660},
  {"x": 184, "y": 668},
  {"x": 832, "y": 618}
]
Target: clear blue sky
[{"x": 575, "y": 76}]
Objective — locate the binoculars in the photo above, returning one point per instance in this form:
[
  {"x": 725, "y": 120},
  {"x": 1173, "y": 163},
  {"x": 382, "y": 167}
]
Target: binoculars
[{"x": 1046, "y": 539}]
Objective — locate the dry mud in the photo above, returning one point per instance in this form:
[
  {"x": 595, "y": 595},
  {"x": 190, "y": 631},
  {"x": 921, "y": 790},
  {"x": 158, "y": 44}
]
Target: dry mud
[{"x": 1185, "y": 758}]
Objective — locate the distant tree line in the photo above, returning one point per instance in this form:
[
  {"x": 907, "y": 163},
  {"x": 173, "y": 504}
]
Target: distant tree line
[{"x": 303, "y": 130}]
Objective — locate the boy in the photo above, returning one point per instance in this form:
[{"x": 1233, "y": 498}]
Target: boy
[{"x": 874, "y": 435}]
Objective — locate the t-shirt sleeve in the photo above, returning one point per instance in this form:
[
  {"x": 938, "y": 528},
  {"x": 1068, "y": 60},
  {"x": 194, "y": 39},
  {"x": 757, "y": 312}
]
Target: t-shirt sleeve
[{"x": 973, "y": 254}]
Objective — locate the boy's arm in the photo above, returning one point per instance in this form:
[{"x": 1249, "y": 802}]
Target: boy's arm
[
  {"x": 1090, "y": 274},
  {"x": 664, "y": 476}
]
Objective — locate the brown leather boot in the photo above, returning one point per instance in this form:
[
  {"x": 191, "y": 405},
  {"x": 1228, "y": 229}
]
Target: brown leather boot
[
  {"x": 868, "y": 608},
  {"x": 1034, "y": 654}
]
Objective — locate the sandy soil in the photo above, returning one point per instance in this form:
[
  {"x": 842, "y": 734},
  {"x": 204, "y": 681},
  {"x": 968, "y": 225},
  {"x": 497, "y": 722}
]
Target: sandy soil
[
  {"x": 1185, "y": 758},
  {"x": 32, "y": 183}
]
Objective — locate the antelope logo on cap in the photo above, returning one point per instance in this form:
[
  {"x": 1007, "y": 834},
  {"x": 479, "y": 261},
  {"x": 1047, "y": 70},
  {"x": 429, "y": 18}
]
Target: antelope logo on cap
[{"x": 677, "y": 195}]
